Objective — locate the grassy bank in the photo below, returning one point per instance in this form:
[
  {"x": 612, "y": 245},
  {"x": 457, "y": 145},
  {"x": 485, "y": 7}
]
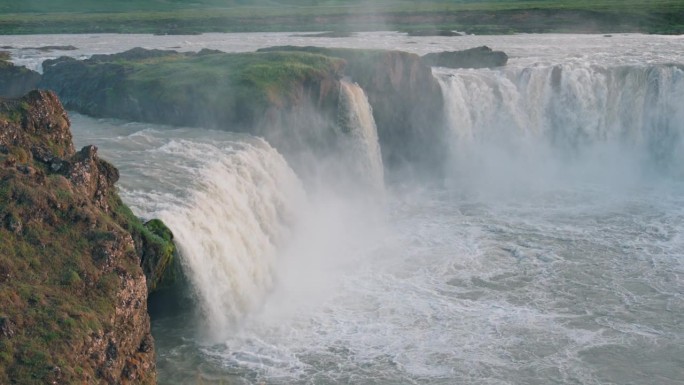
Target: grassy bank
[
  {"x": 185, "y": 17},
  {"x": 209, "y": 89}
]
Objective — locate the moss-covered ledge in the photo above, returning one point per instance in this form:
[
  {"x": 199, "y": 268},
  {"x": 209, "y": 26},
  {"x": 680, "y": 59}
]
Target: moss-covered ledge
[
  {"x": 15, "y": 81},
  {"x": 207, "y": 89}
]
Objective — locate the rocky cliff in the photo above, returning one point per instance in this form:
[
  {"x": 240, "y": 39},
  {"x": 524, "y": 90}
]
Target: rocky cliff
[
  {"x": 72, "y": 291},
  {"x": 15, "y": 81},
  {"x": 288, "y": 98},
  {"x": 210, "y": 89},
  {"x": 289, "y": 95}
]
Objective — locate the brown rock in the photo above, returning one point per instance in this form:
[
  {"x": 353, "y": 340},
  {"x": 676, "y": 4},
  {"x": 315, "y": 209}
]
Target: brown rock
[{"x": 88, "y": 290}]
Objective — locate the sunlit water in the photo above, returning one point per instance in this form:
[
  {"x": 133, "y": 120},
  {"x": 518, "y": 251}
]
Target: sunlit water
[{"x": 553, "y": 254}]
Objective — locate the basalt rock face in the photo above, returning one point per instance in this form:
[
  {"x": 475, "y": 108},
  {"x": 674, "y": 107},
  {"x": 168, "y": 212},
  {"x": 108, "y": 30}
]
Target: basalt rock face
[
  {"x": 73, "y": 295},
  {"x": 478, "y": 57},
  {"x": 289, "y": 95},
  {"x": 288, "y": 98},
  {"x": 16, "y": 81},
  {"x": 406, "y": 100},
  {"x": 210, "y": 88}
]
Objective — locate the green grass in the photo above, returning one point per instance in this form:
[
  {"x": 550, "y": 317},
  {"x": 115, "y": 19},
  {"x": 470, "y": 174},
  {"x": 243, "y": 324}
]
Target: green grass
[
  {"x": 231, "y": 89},
  {"x": 178, "y": 16},
  {"x": 45, "y": 295},
  {"x": 56, "y": 289}
]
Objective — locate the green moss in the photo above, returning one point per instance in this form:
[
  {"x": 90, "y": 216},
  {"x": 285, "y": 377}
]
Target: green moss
[
  {"x": 158, "y": 228},
  {"x": 154, "y": 243},
  {"x": 71, "y": 278},
  {"x": 231, "y": 88}
]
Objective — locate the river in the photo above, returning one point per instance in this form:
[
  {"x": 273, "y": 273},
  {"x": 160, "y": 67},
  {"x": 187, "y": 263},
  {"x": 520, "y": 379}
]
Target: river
[{"x": 551, "y": 253}]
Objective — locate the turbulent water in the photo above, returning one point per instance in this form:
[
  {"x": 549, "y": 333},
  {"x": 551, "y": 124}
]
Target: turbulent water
[{"x": 552, "y": 254}]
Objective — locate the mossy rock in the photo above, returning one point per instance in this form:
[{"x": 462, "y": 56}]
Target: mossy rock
[
  {"x": 209, "y": 89},
  {"x": 159, "y": 260},
  {"x": 153, "y": 243},
  {"x": 158, "y": 228},
  {"x": 69, "y": 274}
]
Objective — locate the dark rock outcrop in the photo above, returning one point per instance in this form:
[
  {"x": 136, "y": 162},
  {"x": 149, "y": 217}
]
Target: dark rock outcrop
[
  {"x": 16, "y": 81},
  {"x": 209, "y": 89},
  {"x": 73, "y": 295},
  {"x": 136, "y": 53},
  {"x": 289, "y": 95},
  {"x": 288, "y": 98},
  {"x": 406, "y": 100},
  {"x": 433, "y": 32},
  {"x": 478, "y": 57}
]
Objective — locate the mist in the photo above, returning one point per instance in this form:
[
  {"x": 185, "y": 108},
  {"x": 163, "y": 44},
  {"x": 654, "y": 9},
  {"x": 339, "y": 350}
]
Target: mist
[
  {"x": 265, "y": 227},
  {"x": 561, "y": 127},
  {"x": 549, "y": 235}
]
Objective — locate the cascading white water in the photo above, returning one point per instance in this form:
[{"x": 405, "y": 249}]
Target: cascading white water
[
  {"x": 356, "y": 119},
  {"x": 568, "y": 104},
  {"x": 230, "y": 200},
  {"x": 565, "y": 285},
  {"x": 545, "y": 118},
  {"x": 229, "y": 230}
]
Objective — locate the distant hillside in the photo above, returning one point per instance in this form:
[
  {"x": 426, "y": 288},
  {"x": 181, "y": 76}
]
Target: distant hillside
[{"x": 197, "y": 16}]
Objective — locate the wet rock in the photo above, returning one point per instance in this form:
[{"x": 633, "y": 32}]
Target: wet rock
[
  {"x": 49, "y": 48},
  {"x": 16, "y": 81},
  {"x": 478, "y": 57},
  {"x": 147, "y": 344},
  {"x": 158, "y": 254},
  {"x": 434, "y": 32},
  {"x": 406, "y": 100}
]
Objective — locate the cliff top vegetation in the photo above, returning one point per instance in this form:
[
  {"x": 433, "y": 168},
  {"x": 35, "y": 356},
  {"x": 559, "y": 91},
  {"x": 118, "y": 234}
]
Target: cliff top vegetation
[{"x": 210, "y": 88}]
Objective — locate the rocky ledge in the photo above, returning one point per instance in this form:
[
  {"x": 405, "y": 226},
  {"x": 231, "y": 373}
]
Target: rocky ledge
[
  {"x": 73, "y": 294},
  {"x": 289, "y": 95},
  {"x": 15, "y": 81},
  {"x": 478, "y": 57},
  {"x": 406, "y": 100}
]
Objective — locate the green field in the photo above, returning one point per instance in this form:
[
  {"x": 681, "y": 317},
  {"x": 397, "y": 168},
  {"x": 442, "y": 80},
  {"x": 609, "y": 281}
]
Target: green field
[{"x": 187, "y": 17}]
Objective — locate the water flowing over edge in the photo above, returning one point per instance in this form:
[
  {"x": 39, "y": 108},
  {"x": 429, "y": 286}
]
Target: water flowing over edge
[
  {"x": 574, "y": 122},
  {"x": 231, "y": 226},
  {"x": 555, "y": 147},
  {"x": 363, "y": 150}
]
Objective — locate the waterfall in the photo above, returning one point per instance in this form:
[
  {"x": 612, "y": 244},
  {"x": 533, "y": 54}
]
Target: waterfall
[
  {"x": 363, "y": 149},
  {"x": 571, "y": 111},
  {"x": 243, "y": 197}
]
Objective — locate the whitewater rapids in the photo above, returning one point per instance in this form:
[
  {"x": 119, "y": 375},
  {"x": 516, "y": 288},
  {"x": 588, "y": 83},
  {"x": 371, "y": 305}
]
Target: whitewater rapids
[{"x": 553, "y": 254}]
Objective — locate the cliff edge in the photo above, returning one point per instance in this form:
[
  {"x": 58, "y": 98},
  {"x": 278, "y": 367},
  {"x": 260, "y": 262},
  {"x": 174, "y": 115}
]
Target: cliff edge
[
  {"x": 15, "y": 81},
  {"x": 73, "y": 295}
]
